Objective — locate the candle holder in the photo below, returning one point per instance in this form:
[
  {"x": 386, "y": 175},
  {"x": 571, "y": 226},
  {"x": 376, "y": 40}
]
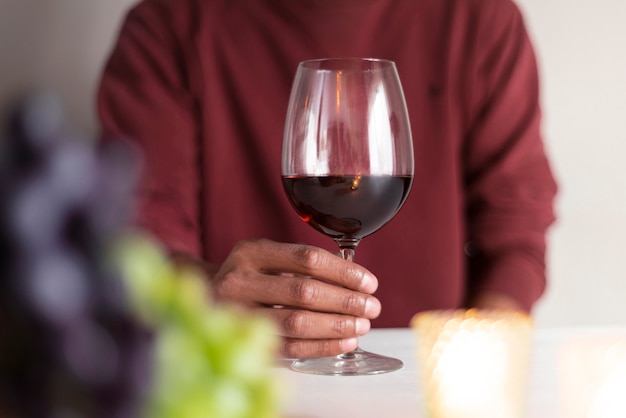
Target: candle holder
[{"x": 474, "y": 363}]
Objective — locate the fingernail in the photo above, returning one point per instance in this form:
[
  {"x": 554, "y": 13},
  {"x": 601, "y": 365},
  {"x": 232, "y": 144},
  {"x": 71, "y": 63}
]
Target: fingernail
[
  {"x": 362, "y": 326},
  {"x": 372, "y": 307},
  {"x": 369, "y": 284},
  {"x": 349, "y": 344}
]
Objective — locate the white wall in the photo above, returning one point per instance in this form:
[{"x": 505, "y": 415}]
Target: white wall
[
  {"x": 60, "y": 44},
  {"x": 581, "y": 47}
]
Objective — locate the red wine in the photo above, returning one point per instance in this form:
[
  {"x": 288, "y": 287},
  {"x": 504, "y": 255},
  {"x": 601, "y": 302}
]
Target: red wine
[{"x": 347, "y": 207}]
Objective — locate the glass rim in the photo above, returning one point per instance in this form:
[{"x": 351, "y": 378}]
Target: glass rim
[{"x": 354, "y": 63}]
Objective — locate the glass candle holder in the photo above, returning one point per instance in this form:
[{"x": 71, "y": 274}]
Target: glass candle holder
[{"x": 474, "y": 363}]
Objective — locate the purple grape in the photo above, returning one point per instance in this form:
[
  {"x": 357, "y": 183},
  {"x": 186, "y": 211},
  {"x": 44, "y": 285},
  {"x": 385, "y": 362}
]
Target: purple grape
[
  {"x": 36, "y": 124},
  {"x": 70, "y": 345}
]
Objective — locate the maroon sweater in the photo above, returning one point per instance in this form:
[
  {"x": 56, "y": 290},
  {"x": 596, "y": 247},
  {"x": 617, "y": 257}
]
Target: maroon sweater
[{"x": 203, "y": 86}]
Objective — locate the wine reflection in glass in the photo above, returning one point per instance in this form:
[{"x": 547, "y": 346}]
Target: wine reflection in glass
[{"x": 347, "y": 166}]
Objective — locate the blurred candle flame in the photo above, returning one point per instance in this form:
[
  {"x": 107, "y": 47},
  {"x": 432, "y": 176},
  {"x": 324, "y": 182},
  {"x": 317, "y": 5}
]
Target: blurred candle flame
[{"x": 474, "y": 363}]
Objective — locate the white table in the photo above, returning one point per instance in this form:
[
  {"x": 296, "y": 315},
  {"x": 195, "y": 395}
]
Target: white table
[{"x": 397, "y": 394}]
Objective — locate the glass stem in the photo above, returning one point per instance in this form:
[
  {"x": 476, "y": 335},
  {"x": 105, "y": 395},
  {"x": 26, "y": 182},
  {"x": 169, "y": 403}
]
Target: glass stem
[
  {"x": 347, "y": 254},
  {"x": 347, "y": 250}
]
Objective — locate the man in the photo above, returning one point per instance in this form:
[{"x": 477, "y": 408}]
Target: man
[{"x": 203, "y": 85}]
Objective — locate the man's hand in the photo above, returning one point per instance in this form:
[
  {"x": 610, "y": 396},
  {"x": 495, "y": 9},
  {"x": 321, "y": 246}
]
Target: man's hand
[{"x": 320, "y": 302}]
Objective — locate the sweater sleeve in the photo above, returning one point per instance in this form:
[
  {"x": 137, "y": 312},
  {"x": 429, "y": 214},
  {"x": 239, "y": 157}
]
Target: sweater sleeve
[
  {"x": 144, "y": 96},
  {"x": 510, "y": 187}
]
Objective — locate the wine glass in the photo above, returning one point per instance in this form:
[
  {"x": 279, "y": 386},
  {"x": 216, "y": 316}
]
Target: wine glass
[{"x": 347, "y": 166}]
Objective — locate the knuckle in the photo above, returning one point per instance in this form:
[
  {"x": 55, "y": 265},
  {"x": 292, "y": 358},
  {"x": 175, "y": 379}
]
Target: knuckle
[
  {"x": 304, "y": 292},
  {"x": 225, "y": 285},
  {"x": 242, "y": 247},
  {"x": 296, "y": 323},
  {"x": 343, "y": 326},
  {"x": 353, "y": 303},
  {"x": 308, "y": 257},
  {"x": 326, "y": 348},
  {"x": 291, "y": 348},
  {"x": 295, "y": 348},
  {"x": 229, "y": 285},
  {"x": 353, "y": 276}
]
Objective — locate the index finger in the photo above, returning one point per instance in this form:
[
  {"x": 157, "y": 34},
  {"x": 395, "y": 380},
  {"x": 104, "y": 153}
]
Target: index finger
[{"x": 316, "y": 262}]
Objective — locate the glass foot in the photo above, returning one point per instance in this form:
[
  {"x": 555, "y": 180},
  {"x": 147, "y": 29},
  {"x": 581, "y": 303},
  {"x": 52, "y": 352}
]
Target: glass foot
[{"x": 356, "y": 363}]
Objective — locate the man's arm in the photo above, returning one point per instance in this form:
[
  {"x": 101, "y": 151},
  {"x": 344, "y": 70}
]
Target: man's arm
[
  {"x": 145, "y": 96},
  {"x": 510, "y": 187},
  {"x": 325, "y": 302}
]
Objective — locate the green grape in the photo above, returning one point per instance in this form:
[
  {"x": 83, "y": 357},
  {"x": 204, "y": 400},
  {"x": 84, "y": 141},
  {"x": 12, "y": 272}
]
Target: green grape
[
  {"x": 145, "y": 268},
  {"x": 212, "y": 359}
]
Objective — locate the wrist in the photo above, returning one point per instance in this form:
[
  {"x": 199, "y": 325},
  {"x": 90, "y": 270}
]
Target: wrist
[{"x": 185, "y": 260}]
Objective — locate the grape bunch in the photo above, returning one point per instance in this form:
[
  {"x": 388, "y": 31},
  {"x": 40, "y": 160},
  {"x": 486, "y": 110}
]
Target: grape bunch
[
  {"x": 95, "y": 319},
  {"x": 71, "y": 344},
  {"x": 212, "y": 360}
]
